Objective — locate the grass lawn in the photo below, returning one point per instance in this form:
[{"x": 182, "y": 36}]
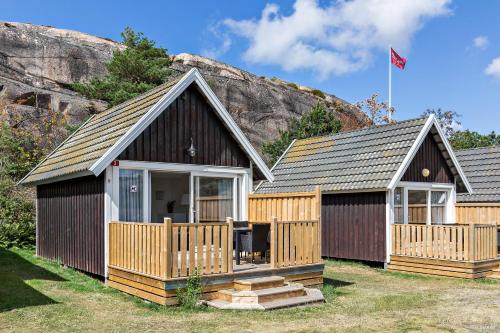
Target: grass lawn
[{"x": 41, "y": 296}]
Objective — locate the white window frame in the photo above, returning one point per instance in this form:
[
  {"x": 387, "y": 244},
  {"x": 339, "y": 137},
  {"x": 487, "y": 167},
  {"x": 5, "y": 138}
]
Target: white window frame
[
  {"x": 428, "y": 187},
  {"x": 241, "y": 175}
]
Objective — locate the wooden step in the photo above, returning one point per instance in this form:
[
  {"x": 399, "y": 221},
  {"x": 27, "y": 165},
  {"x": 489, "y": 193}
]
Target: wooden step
[
  {"x": 260, "y": 295},
  {"x": 259, "y": 283},
  {"x": 310, "y": 296}
]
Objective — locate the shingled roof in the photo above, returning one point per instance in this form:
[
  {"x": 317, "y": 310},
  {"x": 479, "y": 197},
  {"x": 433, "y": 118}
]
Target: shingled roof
[
  {"x": 372, "y": 158},
  {"x": 100, "y": 139},
  {"x": 482, "y": 167}
]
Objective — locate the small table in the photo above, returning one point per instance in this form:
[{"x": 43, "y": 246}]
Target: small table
[{"x": 237, "y": 233}]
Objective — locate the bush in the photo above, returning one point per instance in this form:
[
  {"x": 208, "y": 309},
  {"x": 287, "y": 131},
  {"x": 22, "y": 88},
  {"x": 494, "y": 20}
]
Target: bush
[
  {"x": 292, "y": 85},
  {"x": 318, "y": 93},
  {"x": 17, "y": 217},
  {"x": 191, "y": 295}
]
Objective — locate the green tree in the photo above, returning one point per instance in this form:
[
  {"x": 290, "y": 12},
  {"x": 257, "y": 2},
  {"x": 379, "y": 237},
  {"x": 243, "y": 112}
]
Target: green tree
[
  {"x": 378, "y": 112},
  {"x": 132, "y": 71},
  {"x": 318, "y": 121},
  {"x": 470, "y": 139},
  {"x": 447, "y": 119}
]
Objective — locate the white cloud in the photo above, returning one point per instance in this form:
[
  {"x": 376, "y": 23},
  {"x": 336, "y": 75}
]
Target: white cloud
[
  {"x": 481, "y": 42},
  {"x": 335, "y": 39},
  {"x": 225, "y": 45},
  {"x": 493, "y": 68}
]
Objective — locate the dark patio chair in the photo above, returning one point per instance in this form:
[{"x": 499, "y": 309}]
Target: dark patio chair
[{"x": 256, "y": 240}]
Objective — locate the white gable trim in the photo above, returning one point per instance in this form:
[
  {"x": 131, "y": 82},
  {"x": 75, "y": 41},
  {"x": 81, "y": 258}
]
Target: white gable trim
[
  {"x": 431, "y": 121},
  {"x": 192, "y": 76}
]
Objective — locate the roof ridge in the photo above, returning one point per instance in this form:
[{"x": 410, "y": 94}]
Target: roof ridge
[
  {"x": 477, "y": 148},
  {"x": 364, "y": 129}
]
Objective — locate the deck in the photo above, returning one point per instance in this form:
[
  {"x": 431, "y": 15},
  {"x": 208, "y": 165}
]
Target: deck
[
  {"x": 465, "y": 251},
  {"x": 153, "y": 260}
]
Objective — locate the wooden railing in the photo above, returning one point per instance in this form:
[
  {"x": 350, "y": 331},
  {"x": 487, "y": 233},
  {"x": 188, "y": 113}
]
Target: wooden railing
[
  {"x": 295, "y": 243},
  {"x": 171, "y": 250},
  {"x": 297, "y": 206},
  {"x": 453, "y": 242},
  {"x": 478, "y": 213},
  {"x": 207, "y": 247}
]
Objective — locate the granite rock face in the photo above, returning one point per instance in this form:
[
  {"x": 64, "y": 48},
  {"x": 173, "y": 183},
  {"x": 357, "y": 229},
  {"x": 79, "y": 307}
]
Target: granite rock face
[{"x": 38, "y": 63}]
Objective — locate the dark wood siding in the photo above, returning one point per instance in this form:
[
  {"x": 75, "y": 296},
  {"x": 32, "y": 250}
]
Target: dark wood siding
[
  {"x": 353, "y": 226},
  {"x": 430, "y": 157},
  {"x": 70, "y": 218},
  {"x": 189, "y": 116}
]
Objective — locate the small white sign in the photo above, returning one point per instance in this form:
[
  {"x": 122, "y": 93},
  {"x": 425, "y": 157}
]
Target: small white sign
[{"x": 133, "y": 188}]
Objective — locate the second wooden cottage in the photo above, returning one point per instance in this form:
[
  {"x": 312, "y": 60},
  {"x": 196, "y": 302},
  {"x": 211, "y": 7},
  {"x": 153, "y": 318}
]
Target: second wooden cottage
[{"x": 388, "y": 196}]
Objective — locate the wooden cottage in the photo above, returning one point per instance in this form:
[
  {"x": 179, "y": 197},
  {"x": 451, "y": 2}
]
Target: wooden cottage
[
  {"x": 145, "y": 194},
  {"x": 389, "y": 195}
]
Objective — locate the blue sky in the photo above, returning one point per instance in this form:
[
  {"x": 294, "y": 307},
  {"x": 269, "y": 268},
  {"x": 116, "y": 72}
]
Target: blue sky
[{"x": 445, "y": 67}]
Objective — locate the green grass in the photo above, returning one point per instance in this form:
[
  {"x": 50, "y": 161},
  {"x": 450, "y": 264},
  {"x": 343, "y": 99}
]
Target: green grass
[{"x": 38, "y": 295}]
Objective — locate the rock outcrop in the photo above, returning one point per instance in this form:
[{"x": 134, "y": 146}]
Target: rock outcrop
[{"x": 38, "y": 63}]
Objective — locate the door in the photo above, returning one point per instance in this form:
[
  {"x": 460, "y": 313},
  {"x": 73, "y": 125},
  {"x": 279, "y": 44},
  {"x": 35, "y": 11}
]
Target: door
[{"x": 215, "y": 198}]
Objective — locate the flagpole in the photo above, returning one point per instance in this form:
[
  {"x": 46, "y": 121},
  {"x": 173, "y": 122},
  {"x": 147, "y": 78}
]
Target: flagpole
[{"x": 390, "y": 85}]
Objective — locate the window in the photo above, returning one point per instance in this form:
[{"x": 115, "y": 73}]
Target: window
[
  {"x": 421, "y": 204},
  {"x": 438, "y": 207},
  {"x": 131, "y": 195},
  {"x": 417, "y": 206},
  {"x": 399, "y": 205},
  {"x": 214, "y": 199}
]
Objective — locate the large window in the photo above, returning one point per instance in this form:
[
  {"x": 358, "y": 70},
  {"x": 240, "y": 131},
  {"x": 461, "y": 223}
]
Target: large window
[
  {"x": 131, "y": 190},
  {"x": 214, "y": 199},
  {"x": 417, "y": 207},
  {"x": 418, "y": 204}
]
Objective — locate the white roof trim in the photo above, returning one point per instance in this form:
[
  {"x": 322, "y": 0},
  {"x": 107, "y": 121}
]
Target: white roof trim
[
  {"x": 192, "y": 76},
  {"x": 431, "y": 121}
]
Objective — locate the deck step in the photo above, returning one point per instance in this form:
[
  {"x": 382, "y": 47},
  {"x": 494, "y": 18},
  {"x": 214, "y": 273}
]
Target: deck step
[
  {"x": 260, "y": 295},
  {"x": 259, "y": 283},
  {"x": 495, "y": 273},
  {"x": 310, "y": 296}
]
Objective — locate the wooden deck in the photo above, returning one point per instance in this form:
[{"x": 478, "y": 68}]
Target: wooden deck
[
  {"x": 163, "y": 291},
  {"x": 466, "y": 251}
]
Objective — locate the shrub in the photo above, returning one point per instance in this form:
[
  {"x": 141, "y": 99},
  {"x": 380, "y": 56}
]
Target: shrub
[
  {"x": 191, "y": 295},
  {"x": 292, "y": 85},
  {"x": 318, "y": 93}
]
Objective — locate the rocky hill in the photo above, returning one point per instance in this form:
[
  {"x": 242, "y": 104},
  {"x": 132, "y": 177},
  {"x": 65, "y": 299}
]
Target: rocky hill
[{"x": 37, "y": 64}]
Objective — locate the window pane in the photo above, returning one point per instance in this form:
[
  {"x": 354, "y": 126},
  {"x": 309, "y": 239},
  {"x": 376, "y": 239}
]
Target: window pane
[
  {"x": 214, "y": 201},
  {"x": 438, "y": 207},
  {"x": 417, "y": 206},
  {"x": 398, "y": 205},
  {"x": 131, "y": 191}
]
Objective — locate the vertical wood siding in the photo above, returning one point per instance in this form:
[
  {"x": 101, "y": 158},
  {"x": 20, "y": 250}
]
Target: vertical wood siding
[
  {"x": 353, "y": 226},
  {"x": 168, "y": 137},
  {"x": 429, "y": 156},
  {"x": 71, "y": 223}
]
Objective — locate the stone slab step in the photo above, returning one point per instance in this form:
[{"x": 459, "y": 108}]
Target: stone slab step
[
  {"x": 259, "y": 283},
  {"x": 311, "y": 296},
  {"x": 260, "y": 295}
]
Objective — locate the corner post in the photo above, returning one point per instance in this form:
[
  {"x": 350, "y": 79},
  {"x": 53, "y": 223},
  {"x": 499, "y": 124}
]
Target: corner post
[
  {"x": 167, "y": 247},
  {"x": 274, "y": 233},
  {"x": 229, "y": 253},
  {"x": 472, "y": 242},
  {"x": 318, "y": 208}
]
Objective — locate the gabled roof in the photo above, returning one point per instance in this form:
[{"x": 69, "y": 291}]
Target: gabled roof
[
  {"x": 369, "y": 159},
  {"x": 104, "y": 136},
  {"x": 482, "y": 167}
]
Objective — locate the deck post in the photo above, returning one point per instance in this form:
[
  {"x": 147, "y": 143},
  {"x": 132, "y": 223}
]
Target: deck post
[
  {"x": 229, "y": 253},
  {"x": 472, "y": 243},
  {"x": 167, "y": 247},
  {"x": 274, "y": 234},
  {"x": 318, "y": 205}
]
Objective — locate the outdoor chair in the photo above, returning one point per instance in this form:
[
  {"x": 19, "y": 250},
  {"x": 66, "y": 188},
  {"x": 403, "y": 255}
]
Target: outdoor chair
[{"x": 256, "y": 240}]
